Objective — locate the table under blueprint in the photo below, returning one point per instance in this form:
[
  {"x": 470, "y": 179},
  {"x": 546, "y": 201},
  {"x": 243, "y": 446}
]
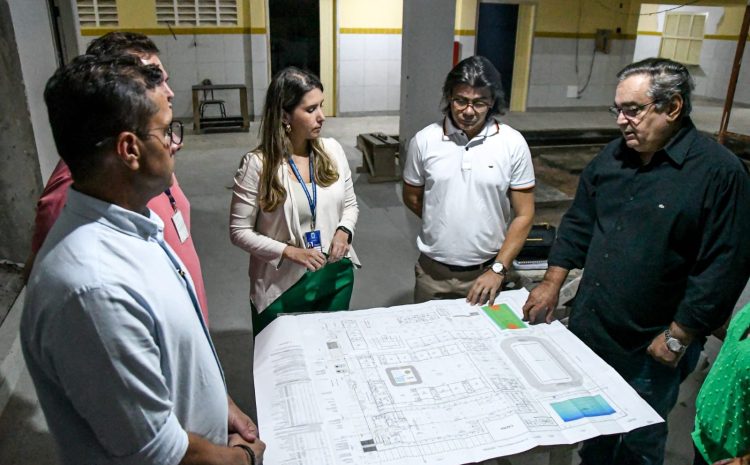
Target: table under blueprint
[{"x": 435, "y": 383}]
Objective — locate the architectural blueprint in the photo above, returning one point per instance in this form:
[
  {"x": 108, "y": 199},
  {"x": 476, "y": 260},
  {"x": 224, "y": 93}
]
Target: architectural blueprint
[{"x": 435, "y": 383}]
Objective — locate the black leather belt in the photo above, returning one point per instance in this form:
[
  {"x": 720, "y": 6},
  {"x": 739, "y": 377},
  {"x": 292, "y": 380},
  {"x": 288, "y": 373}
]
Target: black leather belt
[{"x": 466, "y": 268}]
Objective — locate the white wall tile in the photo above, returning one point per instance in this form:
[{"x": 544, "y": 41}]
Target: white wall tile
[
  {"x": 394, "y": 98},
  {"x": 234, "y": 48},
  {"x": 259, "y": 49},
  {"x": 352, "y": 73},
  {"x": 213, "y": 71},
  {"x": 210, "y": 48},
  {"x": 376, "y": 47},
  {"x": 393, "y": 73},
  {"x": 351, "y": 47},
  {"x": 376, "y": 73},
  {"x": 351, "y": 99},
  {"x": 394, "y": 46},
  {"x": 646, "y": 47},
  {"x": 182, "y": 50},
  {"x": 183, "y": 76},
  {"x": 538, "y": 96},
  {"x": 160, "y": 42},
  {"x": 260, "y": 74},
  {"x": 235, "y": 73},
  {"x": 376, "y": 98}
]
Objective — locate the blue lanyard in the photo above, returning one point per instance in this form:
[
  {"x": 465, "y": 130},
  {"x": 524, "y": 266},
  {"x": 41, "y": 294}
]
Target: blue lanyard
[
  {"x": 312, "y": 201},
  {"x": 172, "y": 201}
]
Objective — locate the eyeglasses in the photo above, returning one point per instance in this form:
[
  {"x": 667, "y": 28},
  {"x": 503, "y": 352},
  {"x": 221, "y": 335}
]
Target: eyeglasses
[
  {"x": 462, "y": 104},
  {"x": 172, "y": 135},
  {"x": 631, "y": 112}
]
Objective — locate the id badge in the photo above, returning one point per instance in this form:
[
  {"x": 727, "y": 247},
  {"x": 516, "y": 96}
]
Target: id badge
[
  {"x": 312, "y": 240},
  {"x": 180, "y": 226}
]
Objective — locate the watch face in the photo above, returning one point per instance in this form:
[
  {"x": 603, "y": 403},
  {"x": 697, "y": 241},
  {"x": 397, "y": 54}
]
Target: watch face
[
  {"x": 674, "y": 345},
  {"x": 498, "y": 268}
]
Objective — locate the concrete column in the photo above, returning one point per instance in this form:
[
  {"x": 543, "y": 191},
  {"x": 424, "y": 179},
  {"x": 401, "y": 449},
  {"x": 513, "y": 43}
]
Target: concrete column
[
  {"x": 20, "y": 179},
  {"x": 27, "y": 60},
  {"x": 426, "y": 58}
]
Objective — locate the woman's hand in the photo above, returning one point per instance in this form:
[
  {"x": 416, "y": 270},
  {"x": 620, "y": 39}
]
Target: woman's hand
[
  {"x": 311, "y": 259},
  {"x": 339, "y": 246}
]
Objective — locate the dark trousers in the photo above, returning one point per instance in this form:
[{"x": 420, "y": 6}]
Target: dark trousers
[{"x": 658, "y": 385}]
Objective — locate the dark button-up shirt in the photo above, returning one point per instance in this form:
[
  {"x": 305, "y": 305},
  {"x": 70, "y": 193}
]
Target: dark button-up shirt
[{"x": 662, "y": 242}]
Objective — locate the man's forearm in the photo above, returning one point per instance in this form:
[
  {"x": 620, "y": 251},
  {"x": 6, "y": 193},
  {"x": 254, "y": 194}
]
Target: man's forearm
[
  {"x": 203, "y": 452},
  {"x": 555, "y": 275},
  {"x": 518, "y": 231}
]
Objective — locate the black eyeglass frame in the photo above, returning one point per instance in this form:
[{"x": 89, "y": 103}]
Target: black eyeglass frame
[
  {"x": 175, "y": 131},
  {"x": 462, "y": 104},
  {"x": 175, "y": 136},
  {"x": 630, "y": 112}
]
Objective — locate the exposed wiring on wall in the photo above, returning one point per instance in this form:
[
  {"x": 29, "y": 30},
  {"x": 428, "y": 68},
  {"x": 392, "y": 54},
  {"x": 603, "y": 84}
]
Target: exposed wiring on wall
[
  {"x": 170, "y": 30},
  {"x": 582, "y": 89},
  {"x": 608, "y": 7},
  {"x": 588, "y": 78}
]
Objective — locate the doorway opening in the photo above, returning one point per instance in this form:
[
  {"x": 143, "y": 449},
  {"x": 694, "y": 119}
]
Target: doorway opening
[
  {"x": 294, "y": 27},
  {"x": 496, "y": 39}
]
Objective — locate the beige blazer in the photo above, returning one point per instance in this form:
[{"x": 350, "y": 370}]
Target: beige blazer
[{"x": 265, "y": 235}]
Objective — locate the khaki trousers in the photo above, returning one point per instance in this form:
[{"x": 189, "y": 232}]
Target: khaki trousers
[{"x": 435, "y": 281}]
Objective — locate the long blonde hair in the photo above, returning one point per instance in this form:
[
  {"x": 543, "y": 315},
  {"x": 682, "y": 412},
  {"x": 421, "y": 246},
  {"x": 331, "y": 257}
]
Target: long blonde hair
[{"x": 284, "y": 93}]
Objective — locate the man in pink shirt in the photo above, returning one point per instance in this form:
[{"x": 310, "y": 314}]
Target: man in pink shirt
[{"x": 172, "y": 206}]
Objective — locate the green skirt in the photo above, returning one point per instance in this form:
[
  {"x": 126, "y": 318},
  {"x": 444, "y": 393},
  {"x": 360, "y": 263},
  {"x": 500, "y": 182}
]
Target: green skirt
[{"x": 326, "y": 290}]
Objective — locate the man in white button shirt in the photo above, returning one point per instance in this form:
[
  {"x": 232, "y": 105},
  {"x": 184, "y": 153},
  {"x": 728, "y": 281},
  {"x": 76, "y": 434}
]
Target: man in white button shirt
[
  {"x": 462, "y": 176},
  {"x": 112, "y": 330}
]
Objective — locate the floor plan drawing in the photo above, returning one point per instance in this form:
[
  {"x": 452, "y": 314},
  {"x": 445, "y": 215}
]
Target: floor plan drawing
[{"x": 435, "y": 383}]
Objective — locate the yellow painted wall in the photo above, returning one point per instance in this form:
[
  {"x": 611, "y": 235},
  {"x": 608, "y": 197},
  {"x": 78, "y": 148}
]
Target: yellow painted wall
[
  {"x": 728, "y": 27},
  {"x": 370, "y": 14},
  {"x": 466, "y": 16},
  {"x": 648, "y": 22},
  {"x": 140, "y": 16},
  {"x": 731, "y": 23},
  {"x": 257, "y": 15},
  {"x": 572, "y": 17}
]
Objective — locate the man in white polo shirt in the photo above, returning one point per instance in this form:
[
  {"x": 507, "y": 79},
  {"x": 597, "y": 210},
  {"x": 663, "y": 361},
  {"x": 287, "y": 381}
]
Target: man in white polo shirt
[{"x": 462, "y": 176}]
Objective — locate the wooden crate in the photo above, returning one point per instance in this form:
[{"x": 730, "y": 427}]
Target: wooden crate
[{"x": 379, "y": 154}]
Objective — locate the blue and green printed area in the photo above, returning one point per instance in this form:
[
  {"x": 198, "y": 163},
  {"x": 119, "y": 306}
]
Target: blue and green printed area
[
  {"x": 582, "y": 407},
  {"x": 503, "y": 316}
]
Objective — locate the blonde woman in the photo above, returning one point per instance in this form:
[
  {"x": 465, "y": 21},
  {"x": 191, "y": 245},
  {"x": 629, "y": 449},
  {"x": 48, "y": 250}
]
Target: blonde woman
[{"x": 293, "y": 207}]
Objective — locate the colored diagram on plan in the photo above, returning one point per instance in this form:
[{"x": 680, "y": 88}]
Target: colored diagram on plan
[{"x": 503, "y": 316}]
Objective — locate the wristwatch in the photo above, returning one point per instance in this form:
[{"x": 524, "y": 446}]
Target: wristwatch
[
  {"x": 673, "y": 344},
  {"x": 499, "y": 268},
  {"x": 347, "y": 231}
]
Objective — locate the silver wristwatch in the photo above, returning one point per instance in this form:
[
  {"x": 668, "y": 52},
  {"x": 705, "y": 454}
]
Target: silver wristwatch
[
  {"x": 673, "y": 344},
  {"x": 499, "y": 268}
]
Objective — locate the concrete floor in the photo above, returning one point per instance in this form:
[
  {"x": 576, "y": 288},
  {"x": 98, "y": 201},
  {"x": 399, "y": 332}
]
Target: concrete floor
[{"x": 384, "y": 241}]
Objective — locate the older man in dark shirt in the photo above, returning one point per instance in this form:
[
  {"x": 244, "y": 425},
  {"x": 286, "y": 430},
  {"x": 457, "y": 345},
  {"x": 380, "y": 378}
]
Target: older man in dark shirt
[{"x": 658, "y": 223}]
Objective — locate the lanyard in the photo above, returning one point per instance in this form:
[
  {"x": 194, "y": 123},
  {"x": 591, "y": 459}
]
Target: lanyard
[
  {"x": 312, "y": 201},
  {"x": 190, "y": 287},
  {"x": 172, "y": 201}
]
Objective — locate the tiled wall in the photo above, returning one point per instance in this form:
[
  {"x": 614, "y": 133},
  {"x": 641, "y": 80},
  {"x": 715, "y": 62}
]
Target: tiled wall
[
  {"x": 261, "y": 70},
  {"x": 369, "y": 73},
  {"x": 553, "y": 70},
  {"x": 222, "y": 58},
  {"x": 467, "y": 47}
]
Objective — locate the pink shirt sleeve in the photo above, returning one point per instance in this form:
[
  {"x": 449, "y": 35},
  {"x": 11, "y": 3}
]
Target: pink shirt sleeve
[
  {"x": 185, "y": 250},
  {"x": 50, "y": 204}
]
